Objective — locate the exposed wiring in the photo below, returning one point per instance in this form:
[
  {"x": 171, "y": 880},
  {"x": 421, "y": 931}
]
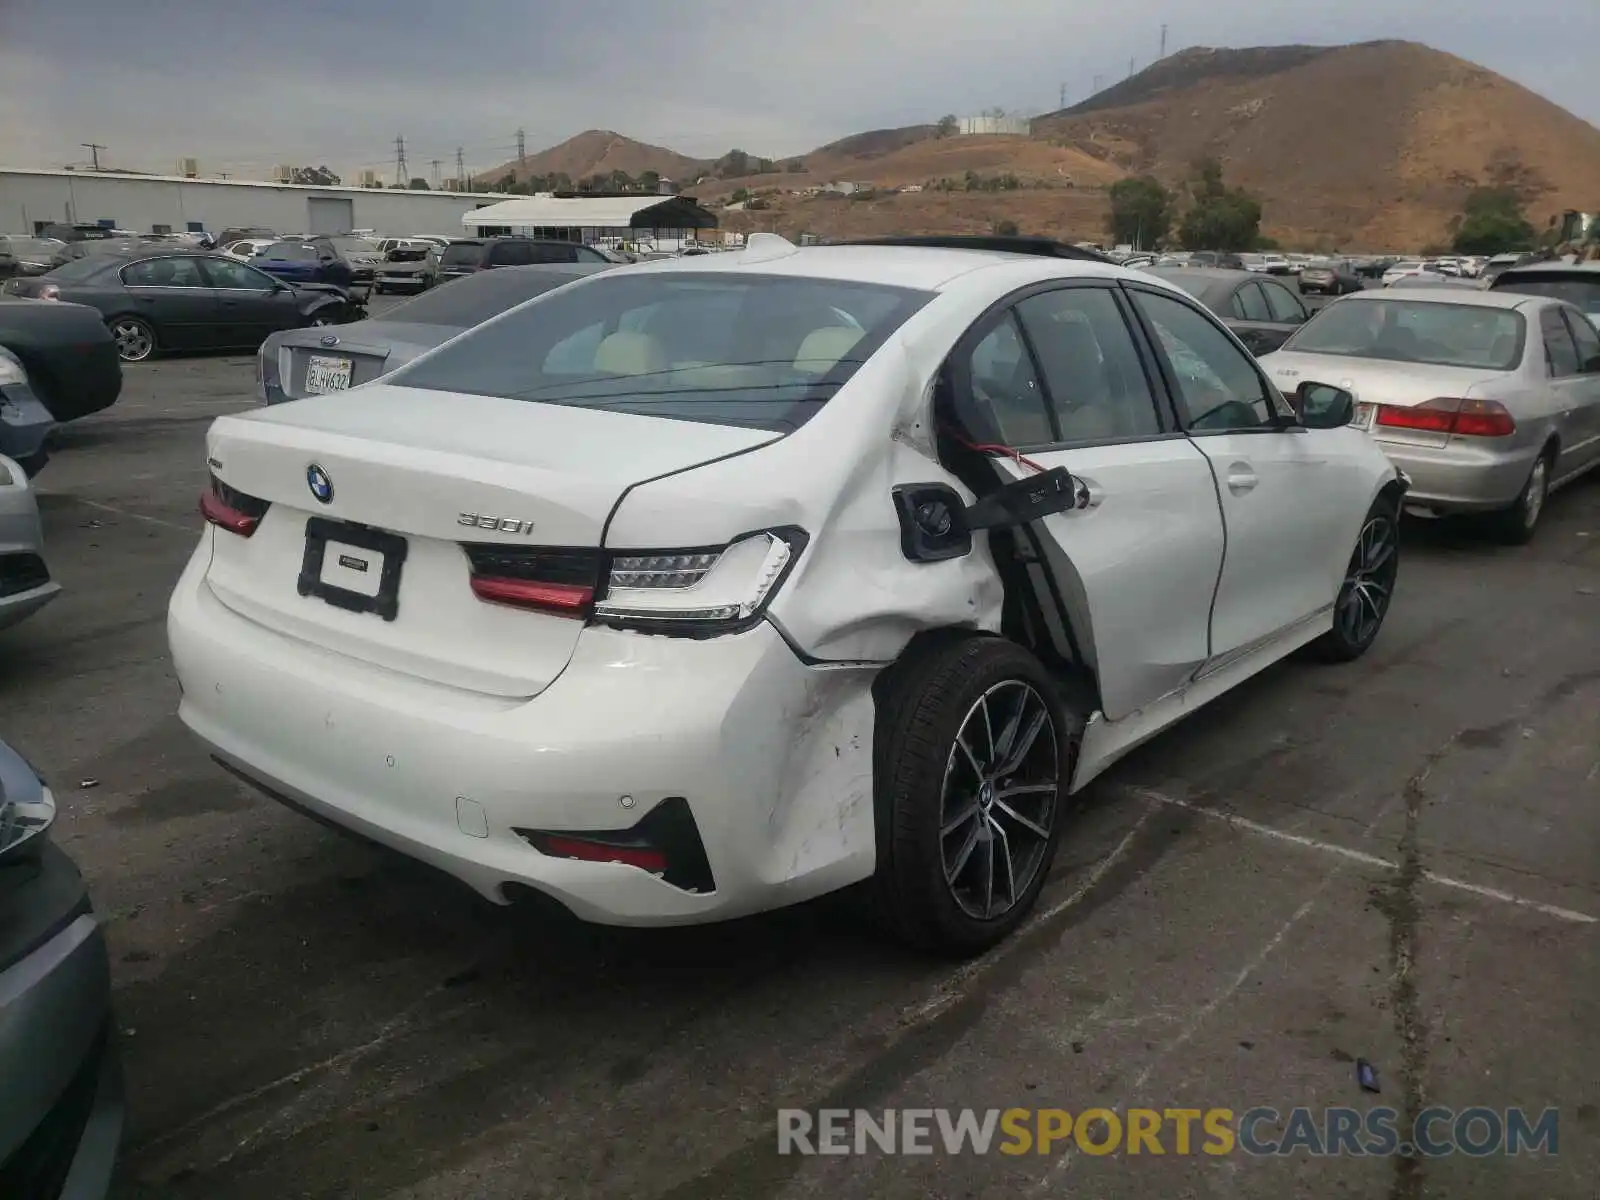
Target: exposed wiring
[{"x": 1021, "y": 459}]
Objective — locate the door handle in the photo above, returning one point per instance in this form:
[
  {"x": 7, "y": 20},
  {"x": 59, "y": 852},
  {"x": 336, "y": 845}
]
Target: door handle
[{"x": 1241, "y": 478}]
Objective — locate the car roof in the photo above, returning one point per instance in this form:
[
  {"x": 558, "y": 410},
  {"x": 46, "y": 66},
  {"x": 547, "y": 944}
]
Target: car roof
[
  {"x": 1476, "y": 297},
  {"x": 923, "y": 268}
]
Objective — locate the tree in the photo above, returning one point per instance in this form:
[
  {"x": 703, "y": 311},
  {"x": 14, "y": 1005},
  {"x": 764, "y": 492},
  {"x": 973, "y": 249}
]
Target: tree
[
  {"x": 948, "y": 125},
  {"x": 1219, "y": 217},
  {"x": 1141, "y": 211},
  {"x": 650, "y": 181},
  {"x": 320, "y": 176},
  {"x": 419, "y": 184},
  {"x": 1492, "y": 221}
]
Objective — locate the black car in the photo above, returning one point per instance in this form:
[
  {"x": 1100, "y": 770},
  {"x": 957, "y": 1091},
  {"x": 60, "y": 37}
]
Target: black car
[
  {"x": 61, "y": 1106},
  {"x": 77, "y": 233},
  {"x": 1576, "y": 283},
  {"x": 184, "y": 300},
  {"x": 1330, "y": 279},
  {"x": 482, "y": 254},
  {"x": 27, "y": 256},
  {"x": 67, "y": 352},
  {"x": 1262, "y": 312}
]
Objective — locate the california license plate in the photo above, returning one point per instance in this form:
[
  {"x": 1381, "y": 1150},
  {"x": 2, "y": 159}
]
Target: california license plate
[
  {"x": 1364, "y": 414},
  {"x": 324, "y": 375}
]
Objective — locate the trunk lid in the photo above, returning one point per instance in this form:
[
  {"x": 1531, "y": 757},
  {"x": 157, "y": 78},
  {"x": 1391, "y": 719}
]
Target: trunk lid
[
  {"x": 409, "y": 463},
  {"x": 372, "y": 348},
  {"x": 1378, "y": 381}
]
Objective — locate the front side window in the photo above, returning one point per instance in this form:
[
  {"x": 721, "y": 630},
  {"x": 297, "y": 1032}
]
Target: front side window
[
  {"x": 1587, "y": 340},
  {"x": 1440, "y": 334},
  {"x": 750, "y": 350},
  {"x": 1090, "y": 365},
  {"x": 164, "y": 272},
  {"x": 1217, "y": 382},
  {"x": 462, "y": 254}
]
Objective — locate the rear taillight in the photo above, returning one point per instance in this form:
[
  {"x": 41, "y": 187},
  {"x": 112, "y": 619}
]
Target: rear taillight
[
  {"x": 230, "y": 509},
  {"x": 549, "y": 579},
  {"x": 47, "y": 291},
  {"x": 1449, "y": 415}
]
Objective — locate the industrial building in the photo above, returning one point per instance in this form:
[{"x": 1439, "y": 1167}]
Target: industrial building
[
  {"x": 666, "y": 223},
  {"x": 31, "y": 199}
]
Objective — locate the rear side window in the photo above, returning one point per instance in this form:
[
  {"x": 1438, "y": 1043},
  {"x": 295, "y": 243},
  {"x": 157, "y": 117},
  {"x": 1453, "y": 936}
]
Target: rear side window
[
  {"x": 760, "y": 351},
  {"x": 1560, "y": 352},
  {"x": 1285, "y": 308},
  {"x": 510, "y": 254},
  {"x": 1250, "y": 304},
  {"x": 1588, "y": 342},
  {"x": 1090, "y": 365},
  {"x": 545, "y": 252},
  {"x": 462, "y": 254}
]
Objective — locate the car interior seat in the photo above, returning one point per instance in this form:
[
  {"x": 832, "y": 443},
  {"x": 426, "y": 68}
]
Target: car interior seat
[
  {"x": 822, "y": 349},
  {"x": 626, "y": 353}
]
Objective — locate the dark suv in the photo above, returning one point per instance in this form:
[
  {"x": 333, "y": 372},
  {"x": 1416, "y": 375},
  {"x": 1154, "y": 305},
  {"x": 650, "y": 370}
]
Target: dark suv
[
  {"x": 1576, "y": 283},
  {"x": 483, "y": 254}
]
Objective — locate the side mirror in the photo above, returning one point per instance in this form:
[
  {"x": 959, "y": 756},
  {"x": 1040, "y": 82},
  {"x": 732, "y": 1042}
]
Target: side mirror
[{"x": 1323, "y": 406}]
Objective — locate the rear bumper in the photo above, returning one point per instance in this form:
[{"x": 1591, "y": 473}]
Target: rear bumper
[
  {"x": 25, "y": 423},
  {"x": 773, "y": 758},
  {"x": 1461, "y": 477}
]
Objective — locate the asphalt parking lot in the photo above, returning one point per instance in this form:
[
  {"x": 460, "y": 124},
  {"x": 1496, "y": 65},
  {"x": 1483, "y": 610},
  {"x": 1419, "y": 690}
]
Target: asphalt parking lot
[{"x": 1393, "y": 861}]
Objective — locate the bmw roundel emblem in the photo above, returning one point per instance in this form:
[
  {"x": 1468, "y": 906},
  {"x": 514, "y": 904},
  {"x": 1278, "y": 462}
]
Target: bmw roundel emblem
[
  {"x": 319, "y": 483},
  {"x": 331, "y": 339}
]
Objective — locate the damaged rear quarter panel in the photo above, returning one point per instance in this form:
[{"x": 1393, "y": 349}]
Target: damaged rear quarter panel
[{"x": 853, "y": 596}]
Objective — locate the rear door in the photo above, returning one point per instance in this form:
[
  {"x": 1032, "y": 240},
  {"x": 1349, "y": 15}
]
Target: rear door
[
  {"x": 1057, "y": 374},
  {"x": 1284, "y": 490},
  {"x": 174, "y": 296},
  {"x": 1587, "y": 339}
]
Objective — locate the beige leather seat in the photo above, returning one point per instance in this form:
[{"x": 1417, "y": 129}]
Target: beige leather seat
[
  {"x": 822, "y": 349},
  {"x": 625, "y": 353}
]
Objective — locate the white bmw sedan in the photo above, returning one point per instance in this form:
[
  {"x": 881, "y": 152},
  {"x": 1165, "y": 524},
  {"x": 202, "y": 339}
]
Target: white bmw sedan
[{"x": 702, "y": 587}]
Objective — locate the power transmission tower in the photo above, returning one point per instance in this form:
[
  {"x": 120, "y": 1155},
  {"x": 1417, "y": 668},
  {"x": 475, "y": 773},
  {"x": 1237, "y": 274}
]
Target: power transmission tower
[
  {"x": 1063, "y": 96},
  {"x": 1130, "y": 68},
  {"x": 1098, "y": 80},
  {"x": 94, "y": 149},
  {"x": 401, "y": 173},
  {"x": 1163, "y": 41},
  {"x": 522, "y": 149},
  {"x": 461, "y": 171},
  {"x": 435, "y": 164}
]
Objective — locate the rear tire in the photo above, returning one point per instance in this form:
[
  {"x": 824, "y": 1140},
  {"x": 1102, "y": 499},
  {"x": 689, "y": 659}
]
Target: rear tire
[
  {"x": 974, "y": 758},
  {"x": 1368, "y": 588},
  {"x": 1515, "y": 526},
  {"x": 135, "y": 338}
]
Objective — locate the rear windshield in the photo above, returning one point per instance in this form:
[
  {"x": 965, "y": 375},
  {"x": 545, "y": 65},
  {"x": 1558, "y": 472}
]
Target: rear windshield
[
  {"x": 1581, "y": 290},
  {"x": 473, "y": 299},
  {"x": 1416, "y": 331},
  {"x": 759, "y": 351},
  {"x": 290, "y": 252},
  {"x": 352, "y": 245},
  {"x": 462, "y": 254}
]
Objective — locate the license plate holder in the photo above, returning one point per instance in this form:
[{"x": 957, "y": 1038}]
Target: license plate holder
[
  {"x": 325, "y": 374},
  {"x": 321, "y": 532},
  {"x": 1364, "y": 415}
]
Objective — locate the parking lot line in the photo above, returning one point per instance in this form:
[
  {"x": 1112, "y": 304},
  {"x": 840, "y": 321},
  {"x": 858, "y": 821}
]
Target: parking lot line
[
  {"x": 122, "y": 512},
  {"x": 1246, "y": 825}
]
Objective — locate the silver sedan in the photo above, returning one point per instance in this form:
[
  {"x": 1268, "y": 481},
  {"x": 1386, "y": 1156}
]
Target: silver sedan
[
  {"x": 25, "y": 583},
  {"x": 1488, "y": 400}
]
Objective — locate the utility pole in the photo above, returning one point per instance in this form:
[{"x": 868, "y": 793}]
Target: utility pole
[
  {"x": 1098, "y": 80},
  {"x": 522, "y": 150},
  {"x": 1130, "y": 68},
  {"x": 400, "y": 170},
  {"x": 1163, "y": 41},
  {"x": 435, "y": 164},
  {"x": 461, "y": 171},
  {"x": 1063, "y": 95},
  {"x": 223, "y": 175},
  {"x": 94, "y": 149}
]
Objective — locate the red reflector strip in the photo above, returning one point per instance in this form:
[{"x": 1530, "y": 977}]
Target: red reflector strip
[
  {"x": 568, "y": 598},
  {"x": 225, "y": 516},
  {"x": 643, "y": 857}
]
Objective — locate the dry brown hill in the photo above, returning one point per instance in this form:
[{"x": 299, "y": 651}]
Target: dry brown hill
[
  {"x": 599, "y": 152},
  {"x": 1372, "y": 145}
]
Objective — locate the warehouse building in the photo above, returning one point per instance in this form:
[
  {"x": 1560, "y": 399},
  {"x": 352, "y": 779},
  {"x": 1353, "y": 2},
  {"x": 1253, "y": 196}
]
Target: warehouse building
[
  {"x": 31, "y": 199},
  {"x": 666, "y": 224}
]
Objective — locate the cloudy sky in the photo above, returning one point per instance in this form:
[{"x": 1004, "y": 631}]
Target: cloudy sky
[{"x": 242, "y": 88}]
